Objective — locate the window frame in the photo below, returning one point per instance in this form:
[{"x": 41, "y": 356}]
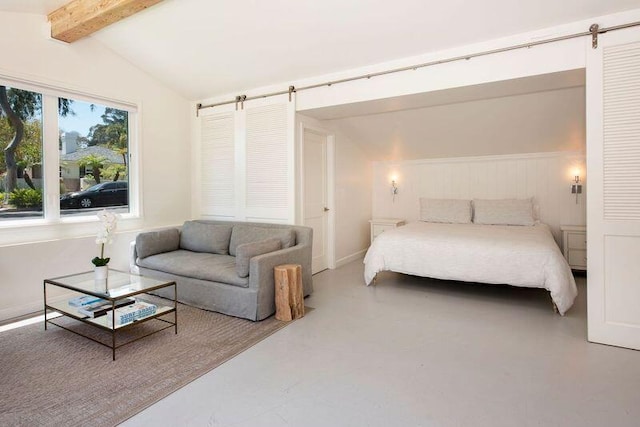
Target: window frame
[{"x": 53, "y": 225}]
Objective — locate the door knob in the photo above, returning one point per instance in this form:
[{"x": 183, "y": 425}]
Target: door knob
[{"x": 326, "y": 209}]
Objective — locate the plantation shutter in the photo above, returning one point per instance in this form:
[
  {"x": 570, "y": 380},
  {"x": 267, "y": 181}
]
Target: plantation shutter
[
  {"x": 269, "y": 161},
  {"x": 246, "y": 161},
  {"x": 217, "y": 166},
  {"x": 613, "y": 195}
]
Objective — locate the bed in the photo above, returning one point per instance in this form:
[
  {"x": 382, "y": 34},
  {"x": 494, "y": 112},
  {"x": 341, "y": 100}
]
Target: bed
[{"x": 517, "y": 255}]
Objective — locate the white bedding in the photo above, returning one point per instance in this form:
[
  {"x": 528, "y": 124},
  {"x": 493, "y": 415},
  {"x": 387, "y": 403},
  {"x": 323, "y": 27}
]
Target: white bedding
[{"x": 515, "y": 255}]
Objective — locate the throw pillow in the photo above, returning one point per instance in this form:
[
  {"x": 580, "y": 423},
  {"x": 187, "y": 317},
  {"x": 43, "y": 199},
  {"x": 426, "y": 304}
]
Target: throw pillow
[
  {"x": 445, "y": 210},
  {"x": 157, "y": 242},
  {"x": 203, "y": 237},
  {"x": 252, "y": 233},
  {"x": 503, "y": 212},
  {"x": 246, "y": 251}
]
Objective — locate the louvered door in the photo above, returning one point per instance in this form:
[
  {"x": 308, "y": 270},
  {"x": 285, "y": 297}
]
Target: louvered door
[
  {"x": 217, "y": 165},
  {"x": 269, "y": 163},
  {"x": 246, "y": 161},
  {"x": 613, "y": 193}
]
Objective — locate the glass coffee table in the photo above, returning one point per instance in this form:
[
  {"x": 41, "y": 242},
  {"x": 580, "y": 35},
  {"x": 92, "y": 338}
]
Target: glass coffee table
[{"x": 118, "y": 288}]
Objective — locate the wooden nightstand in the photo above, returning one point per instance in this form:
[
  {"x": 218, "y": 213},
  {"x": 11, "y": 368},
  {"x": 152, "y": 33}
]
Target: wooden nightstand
[
  {"x": 380, "y": 225},
  {"x": 574, "y": 246}
]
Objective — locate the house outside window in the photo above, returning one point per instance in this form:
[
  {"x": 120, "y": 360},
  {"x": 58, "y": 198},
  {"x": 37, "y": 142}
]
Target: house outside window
[{"x": 94, "y": 150}]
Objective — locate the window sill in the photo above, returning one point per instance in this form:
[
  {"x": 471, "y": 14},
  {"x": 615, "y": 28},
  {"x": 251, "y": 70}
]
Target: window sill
[{"x": 28, "y": 231}]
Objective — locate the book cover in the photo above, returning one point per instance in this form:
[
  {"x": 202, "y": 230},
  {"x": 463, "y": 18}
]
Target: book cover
[
  {"x": 84, "y": 300},
  {"x": 132, "y": 313},
  {"x": 102, "y": 308}
]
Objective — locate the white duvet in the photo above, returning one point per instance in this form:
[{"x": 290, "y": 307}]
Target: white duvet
[{"x": 514, "y": 255}]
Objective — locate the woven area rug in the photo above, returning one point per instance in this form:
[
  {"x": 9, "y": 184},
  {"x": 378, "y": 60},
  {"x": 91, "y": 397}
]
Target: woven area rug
[{"x": 57, "y": 378}]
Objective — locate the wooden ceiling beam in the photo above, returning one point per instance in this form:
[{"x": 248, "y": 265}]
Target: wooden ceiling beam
[{"x": 80, "y": 18}]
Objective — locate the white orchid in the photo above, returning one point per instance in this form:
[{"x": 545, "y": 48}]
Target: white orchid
[{"x": 108, "y": 223}]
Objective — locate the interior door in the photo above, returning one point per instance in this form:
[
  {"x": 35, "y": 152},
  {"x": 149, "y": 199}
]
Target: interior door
[
  {"x": 315, "y": 209},
  {"x": 613, "y": 209}
]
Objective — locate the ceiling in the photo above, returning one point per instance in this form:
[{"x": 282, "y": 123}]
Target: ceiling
[
  {"x": 526, "y": 115},
  {"x": 42, "y": 7},
  {"x": 205, "y": 48},
  {"x": 503, "y": 88}
]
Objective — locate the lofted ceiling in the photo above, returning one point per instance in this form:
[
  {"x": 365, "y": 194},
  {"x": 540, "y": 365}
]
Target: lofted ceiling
[
  {"x": 205, "y": 48},
  {"x": 41, "y": 7}
]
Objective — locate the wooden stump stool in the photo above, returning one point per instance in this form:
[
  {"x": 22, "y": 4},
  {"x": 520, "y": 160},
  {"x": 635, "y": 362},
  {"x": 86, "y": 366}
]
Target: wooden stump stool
[{"x": 289, "y": 297}]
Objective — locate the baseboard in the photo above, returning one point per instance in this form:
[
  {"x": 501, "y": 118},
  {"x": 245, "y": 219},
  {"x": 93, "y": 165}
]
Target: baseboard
[
  {"x": 350, "y": 258},
  {"x": 30, "y": 308},
  {"x": 20, "y": 311}
]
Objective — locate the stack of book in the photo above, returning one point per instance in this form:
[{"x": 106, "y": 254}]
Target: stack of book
[
  {"x": 101, "y": 307},
  {"x": 84, "y": 300},
  {"x": 131, "y": 313}
]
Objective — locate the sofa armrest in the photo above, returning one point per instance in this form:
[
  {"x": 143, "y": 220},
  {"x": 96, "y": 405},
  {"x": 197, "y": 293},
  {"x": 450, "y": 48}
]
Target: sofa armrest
[
  {"x": 133, "y": 256},
  {"x": 261, "y": 274}
]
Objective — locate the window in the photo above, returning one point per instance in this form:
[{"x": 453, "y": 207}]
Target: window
[
  {"x": 94, "y": 149},
  {"x": 21, "y": 187},
  {"x": 73, "y": 171}
]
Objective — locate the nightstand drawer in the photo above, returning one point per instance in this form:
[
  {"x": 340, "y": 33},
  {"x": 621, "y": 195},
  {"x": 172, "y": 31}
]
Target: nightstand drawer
[
  {"x": 379, "y": 229},
  {"x": 577, "y": 258},
  {"x": 577, "y": 240},
  {"x": 380, "y": 225}
]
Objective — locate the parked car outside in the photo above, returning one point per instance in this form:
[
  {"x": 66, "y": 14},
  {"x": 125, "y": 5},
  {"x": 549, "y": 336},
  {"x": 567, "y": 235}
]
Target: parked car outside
[{"x": 103, "y": 194}]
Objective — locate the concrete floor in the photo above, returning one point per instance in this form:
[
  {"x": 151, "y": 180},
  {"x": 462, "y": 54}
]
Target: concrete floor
[{"x": 417, "y": 352}]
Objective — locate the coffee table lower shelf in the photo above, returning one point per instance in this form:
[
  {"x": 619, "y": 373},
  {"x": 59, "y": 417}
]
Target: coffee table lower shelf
[{"x": 101, "y": 323}]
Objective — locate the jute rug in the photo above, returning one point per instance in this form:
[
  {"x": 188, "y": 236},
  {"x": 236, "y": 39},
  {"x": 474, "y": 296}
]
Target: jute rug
[{"x": 57, "y": 378}]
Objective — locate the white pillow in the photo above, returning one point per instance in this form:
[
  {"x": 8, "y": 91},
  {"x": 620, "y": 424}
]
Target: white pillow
[
  {"x": 503, "y": 212},
  {"x": 445, "y": 210}
]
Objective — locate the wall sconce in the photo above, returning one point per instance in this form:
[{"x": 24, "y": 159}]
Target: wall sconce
[
  {"x": 394, "y": 189},
  {"x": 576, "y": 187}
]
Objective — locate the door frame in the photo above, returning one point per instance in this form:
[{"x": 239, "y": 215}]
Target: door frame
[{"x": 330, "y": 168}]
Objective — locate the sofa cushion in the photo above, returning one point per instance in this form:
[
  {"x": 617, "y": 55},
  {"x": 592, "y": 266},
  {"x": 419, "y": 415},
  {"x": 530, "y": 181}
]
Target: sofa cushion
[
  {"x": 198, "y": 265},
  {"x": 200, "y": 237},
  {"x": 157, "y": 242},
  {"x": 242, "y": 234},
  {"x": 246, "y": 251}
]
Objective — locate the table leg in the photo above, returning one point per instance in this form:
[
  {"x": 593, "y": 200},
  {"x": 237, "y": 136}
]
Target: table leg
[
  {"x": 175, "y": 306},
  {"x": 44, "y": 287},
  {"x": 113, "y": 330}
]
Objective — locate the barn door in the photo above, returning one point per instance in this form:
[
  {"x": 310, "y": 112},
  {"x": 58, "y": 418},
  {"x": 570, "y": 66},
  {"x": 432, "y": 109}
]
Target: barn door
[
  {"x": 216, "y": 163},
  {"x": 245, "y": 161},
  {"x": 613, "y": 193}
]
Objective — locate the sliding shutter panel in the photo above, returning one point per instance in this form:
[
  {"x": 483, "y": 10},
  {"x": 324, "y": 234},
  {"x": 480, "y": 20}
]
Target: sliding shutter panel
[
  {"x": 622, "y": 132},
  {"x": 217, "y": 165},
  {"x": 268, "y": 161},
  {"x": 613, "y": 195}
]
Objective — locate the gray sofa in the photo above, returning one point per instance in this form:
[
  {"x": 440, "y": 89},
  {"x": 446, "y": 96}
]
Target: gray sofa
[{"x": 224, "y": 266}]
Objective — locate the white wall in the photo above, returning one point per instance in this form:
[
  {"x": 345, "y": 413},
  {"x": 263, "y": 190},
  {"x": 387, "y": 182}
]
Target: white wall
[
  {"x": 354, "y": 174},
  {"x": 352, "y": 192},
  {"x": 164, "y": 135},
  {"x": 544, "y": 176}
]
